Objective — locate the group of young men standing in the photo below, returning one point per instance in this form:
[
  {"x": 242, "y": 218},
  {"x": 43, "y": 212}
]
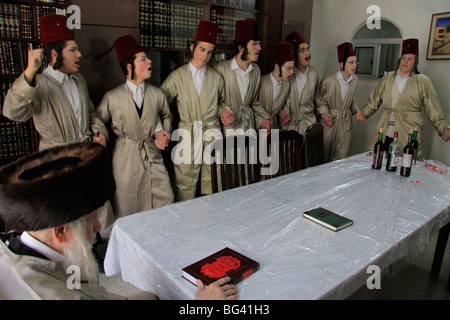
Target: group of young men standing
[{"x": 229, "y": 95}]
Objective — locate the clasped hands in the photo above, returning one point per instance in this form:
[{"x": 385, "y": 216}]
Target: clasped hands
[{"x": 162, "y": 139}]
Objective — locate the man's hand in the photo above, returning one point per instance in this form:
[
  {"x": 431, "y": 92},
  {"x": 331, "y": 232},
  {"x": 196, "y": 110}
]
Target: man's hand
[
  {"x": 35, "y": 58},
  {"x": 266, "y": 124},
  {"x": 285, "y": 117},
  {"x": 446, "y": 134},
  {"x": 100, "y": 138},
  {"x": 360, "y": 117},
  {"x": 219, "y": 290},
  {"x": 328, "y": 119},
  {"x": 162, "y": 139},
  {"x": 227, "y": 117}
]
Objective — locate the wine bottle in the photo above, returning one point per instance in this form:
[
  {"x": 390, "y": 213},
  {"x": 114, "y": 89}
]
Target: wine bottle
[
  {"x": 408, "y": 151},
  {"x": 393, "y": 154},
  {"x": 378, "y": 152},
  {"x": 415, "y": 144}
]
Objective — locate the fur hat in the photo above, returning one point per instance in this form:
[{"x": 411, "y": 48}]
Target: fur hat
[
  {"x": 54, "y": 29},
  {"x": 55, "y": 186}
]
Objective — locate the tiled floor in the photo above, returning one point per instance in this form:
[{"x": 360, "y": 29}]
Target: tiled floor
[{"x": 407, "y": 279}]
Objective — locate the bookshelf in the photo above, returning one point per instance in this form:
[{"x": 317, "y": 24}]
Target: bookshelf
[
  {"x": 19, "y": 30},
  {"x": 169, "y": 26}
]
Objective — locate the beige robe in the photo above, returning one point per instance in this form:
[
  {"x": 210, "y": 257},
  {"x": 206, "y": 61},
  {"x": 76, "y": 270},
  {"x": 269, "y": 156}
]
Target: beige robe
[
  {"x": 24, "y": 277},
  {"x": 337, "y": 139},
  {"x": 245, "y": 110},
  {"x": 54, "y": 117},
  {"x": 419, "y": 94},
  {"x": 50, "y": 109},
  {"x": 141, "y": 177},
  {"x": 272, "y": 107},
  {"x": 301, "y": 106},
  {"x": 199, "y": 117}
]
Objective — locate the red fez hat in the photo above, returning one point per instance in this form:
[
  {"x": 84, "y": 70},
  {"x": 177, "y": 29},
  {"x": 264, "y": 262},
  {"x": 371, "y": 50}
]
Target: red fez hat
[
  {"x": 295, "y": 38},
  {"x": 126, "y": 47},
  {"x": 246, "y": 30},
  {"x": 207, "y": 31},
  {"x": 410, "y": 46},
  {"x": 345, "y": 50},
  {"x": 54, "y": 29},
  {"x": 283, "y": 52}
]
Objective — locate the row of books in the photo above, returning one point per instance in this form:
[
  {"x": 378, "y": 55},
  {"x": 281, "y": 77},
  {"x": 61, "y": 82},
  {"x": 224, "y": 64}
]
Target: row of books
[
  {"x": 14, "y": 57},
  {"x": 16, "y": 138},
  {"x": 22, "y": 20},
  {"x": 226, "y": 19},
  {"x": 168, "y": 25}
]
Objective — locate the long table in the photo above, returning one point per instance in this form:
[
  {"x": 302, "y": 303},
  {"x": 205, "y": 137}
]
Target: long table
[{"x": 299, "y": 259}]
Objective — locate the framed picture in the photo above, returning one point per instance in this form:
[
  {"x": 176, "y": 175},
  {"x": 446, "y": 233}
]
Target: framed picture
[{"x": 439, "y": 39}]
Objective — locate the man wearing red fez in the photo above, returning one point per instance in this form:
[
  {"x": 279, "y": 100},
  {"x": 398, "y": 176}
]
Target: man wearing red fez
[
  {"x": 405, "y": 93},
  {"x": 57, "y": 99},
  {"x": 199, "y": 92},
  {"x": 275, "y": 86},
  {"x": 141, "y": 120},
  {"x": 304, "y": 83},
  {"x": 336, "y": 104},
  {"x": 242, "y": 79}
]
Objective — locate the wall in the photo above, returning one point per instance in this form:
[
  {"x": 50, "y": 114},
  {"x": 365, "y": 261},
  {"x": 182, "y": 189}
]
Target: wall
[{"x": 334, "y": 22}]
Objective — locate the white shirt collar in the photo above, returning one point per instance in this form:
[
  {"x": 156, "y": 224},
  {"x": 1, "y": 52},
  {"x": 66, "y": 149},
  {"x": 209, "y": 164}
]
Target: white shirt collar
[
  {"x": 134, "y": 87},
  {"x": 38, "y": 246},
  {"x": 274, "y": 81},
  {"x": 235, "y": 66},
  {"x": 340, "y": 77},
  {"x": 301, "y": 74},
  {"x": 194, "y": 70},
  {"x": 58, "y": 75}
]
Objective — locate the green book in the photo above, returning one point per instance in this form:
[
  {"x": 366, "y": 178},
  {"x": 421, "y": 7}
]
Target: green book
[{"x": 327, "y": 218}]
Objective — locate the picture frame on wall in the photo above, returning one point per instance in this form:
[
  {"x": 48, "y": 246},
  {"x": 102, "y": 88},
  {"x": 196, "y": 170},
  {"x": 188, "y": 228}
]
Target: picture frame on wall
[{"x": 439, "y": 38}]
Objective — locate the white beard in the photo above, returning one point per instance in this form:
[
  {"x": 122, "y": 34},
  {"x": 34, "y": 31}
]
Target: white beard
[{"x": 79, "y": 253}]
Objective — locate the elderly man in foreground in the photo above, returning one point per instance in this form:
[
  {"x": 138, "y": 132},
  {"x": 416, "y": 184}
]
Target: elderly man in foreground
[{"x": 50, "y": 199}]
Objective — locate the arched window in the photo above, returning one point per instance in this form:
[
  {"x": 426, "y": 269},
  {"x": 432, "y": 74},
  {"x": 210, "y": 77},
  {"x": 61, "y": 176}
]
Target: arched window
[{"x": 377, "y": 50}]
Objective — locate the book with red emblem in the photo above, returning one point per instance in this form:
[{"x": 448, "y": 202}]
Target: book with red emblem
[{"x": 223, "y": 263}]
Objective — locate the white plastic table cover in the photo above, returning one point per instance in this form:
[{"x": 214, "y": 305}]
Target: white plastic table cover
[{"x": 299, "y": 259}]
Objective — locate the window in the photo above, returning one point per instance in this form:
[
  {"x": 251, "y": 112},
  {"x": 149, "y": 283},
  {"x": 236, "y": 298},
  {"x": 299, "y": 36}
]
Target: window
[{"x": 377, "y": 50}]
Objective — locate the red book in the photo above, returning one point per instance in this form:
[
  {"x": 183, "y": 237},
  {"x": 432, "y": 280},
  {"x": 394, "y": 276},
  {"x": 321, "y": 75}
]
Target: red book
[{"x": 225, "y": 262}]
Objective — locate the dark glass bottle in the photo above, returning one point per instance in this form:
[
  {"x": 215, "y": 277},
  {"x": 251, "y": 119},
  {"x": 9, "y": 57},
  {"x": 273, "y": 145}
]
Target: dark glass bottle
[
  {"x": 392, "y": 154},
  {"x": 408, "y": 152},
  {"x": 377, "y": 160},
  {"x": 415, "y": 144}
]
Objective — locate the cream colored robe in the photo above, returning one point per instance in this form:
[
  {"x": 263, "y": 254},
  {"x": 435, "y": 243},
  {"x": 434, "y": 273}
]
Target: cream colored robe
[
  {"x": 301, "y": 106},
  {"x": 141, "y": 177},
  {"x": 199, "y": 117},
  {"x": 24, "y": 277},
  {"x": 337, "y": 139},
  {"x": 245, "y": 110},
  {"x": 272, "y": 107},
  {"x": 419, "y": 94},
  {"x": 50, "y": 109}
]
